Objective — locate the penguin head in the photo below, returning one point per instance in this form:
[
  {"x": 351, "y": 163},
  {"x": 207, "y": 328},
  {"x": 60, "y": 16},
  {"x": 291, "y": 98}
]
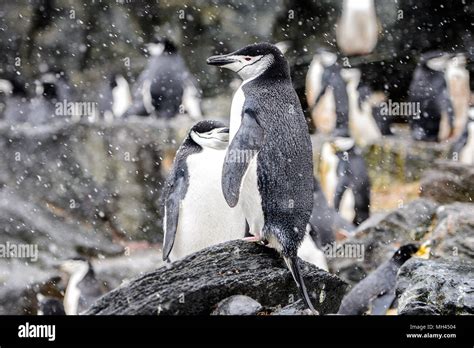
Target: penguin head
[
  {"x": 406, "y": 251},
  {"x": 76, "y": 265},
  {"x": 210, "y": 134},
  {"x": 325, "y": 57},
  {"x": 13, "y": 86},
  {"x": 342, "y": 144},
  {"x": 435, "y": 60},
  {"x": 160, "y": 45},
  {"x": 252, "y": 61}
]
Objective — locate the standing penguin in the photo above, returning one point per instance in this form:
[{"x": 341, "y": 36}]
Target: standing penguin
[
  {"x": 463, "y": 148},
  {"x": 353, "y": 177},
  {"x": 331, "y": 80},
  {"x": 457, "y": 79},
  {"x": 196, "y": 214},
  {"x": 274, "y": 184},
  {"x": 15, "y": 100},
  {"x": 357, "y": 30},
  {"x": 83, "y": 288},
  {"x": 165, "y": 84},
  {"x": 114, "y": 97},
  {"x": 376, "y": 292},
  {"x": 429, "y": 90}
]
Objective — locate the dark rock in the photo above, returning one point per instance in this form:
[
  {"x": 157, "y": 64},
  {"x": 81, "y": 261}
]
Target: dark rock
[
  {"x": 105, "y": 175},
  {"x": 237, "y": 305},
  {"x": 197, "y": 283},
  {"x": 401, "y": 158},
  {"x": 435, "y": 287},
  {"x": 453, "y": 235},
  {"x": 295, "y": 308},
  {"x": 381, "y": 236},
  {"x": 49, "y": 239},
  {"x": 448, "y": 182}
]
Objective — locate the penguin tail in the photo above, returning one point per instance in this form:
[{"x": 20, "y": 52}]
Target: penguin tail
[{"x": 292, "y": 263}]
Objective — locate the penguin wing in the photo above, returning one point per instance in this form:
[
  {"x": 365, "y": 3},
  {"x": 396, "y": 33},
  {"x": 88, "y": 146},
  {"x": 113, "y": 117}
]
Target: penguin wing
[
  {"x": 381, "y": 304},
  {"x": 243, "y": 148},
  {"x": 175, "y": 194}
]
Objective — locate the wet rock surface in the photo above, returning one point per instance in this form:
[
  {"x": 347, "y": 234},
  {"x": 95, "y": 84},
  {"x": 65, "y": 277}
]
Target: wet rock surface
[
  {"x": 237, "y": 305},
  {"x": 197, "y": 283},
  {"x": 436, "y": 287},
  {"x": 380, "y": 237},
  {"x": 448, "y": 181},
  {"x": 105, "y": 175}
]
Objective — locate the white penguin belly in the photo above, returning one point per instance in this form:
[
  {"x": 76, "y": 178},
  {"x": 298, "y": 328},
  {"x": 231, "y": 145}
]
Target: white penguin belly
[
  {"x": 467, "y": 153},
  {"x": 347, "y": 206},
  {"x": 236, "y": 112},
  {"x": 205, "y": 219},
  {"x": 250, "y": 200}
]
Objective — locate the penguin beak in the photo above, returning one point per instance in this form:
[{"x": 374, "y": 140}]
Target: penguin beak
[
  {"x": 424, "y": 250},
  {"x": 221, "y": 60},
  {"x": 223, "y": 130}
]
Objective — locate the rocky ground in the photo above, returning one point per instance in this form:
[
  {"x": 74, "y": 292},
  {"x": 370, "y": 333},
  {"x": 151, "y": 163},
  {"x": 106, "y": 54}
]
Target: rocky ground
[{"x": 93, "y": 190}]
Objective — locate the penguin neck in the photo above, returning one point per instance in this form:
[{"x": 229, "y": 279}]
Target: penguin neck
[
  {"x": 279, "y": 71},
  {"x": 72, "y": 295}
]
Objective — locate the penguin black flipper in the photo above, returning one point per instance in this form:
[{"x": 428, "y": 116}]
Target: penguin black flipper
[
  {"x": 341, "y": 187},
  {"x": 175, "y": 193},
  {"x": 382, "y": 303},
  {"x": 246, "y": 143},
  {"x": 293, "y": 265}
]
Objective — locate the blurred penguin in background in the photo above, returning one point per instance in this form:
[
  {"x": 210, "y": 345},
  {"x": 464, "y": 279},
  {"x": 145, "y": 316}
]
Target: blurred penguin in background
[
  {"x": 457, "y": 79},
  {"x": 429, "y": 90},
  {"x": 357, "y": 29},
  {"x": 166, "y": 87},
  {"x": 83, "y": 288},
  {"x": 324, "y": 82},
  {"x": 463, "y": 147},
  {"x": 362, "y": 124},
  {"x": 114, "y": 97},
  {"x": 14, "y": 99},
  {"x": 352, "y": 180}
]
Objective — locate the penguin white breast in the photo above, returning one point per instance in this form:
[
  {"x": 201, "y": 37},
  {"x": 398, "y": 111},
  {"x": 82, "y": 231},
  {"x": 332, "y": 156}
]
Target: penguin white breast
[
  {"x": 122, "y": 97},
  {"x": 250, "y": 199},
  {"x": 467, "y": 153},
  {"x": 205, "y": 219}
]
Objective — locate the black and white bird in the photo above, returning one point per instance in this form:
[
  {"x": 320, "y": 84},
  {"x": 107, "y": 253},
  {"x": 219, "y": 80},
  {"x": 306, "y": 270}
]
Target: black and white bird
[
  {"x": 274, "y": 184},
  {"x": 196, "y": 214},
  {"x": 83, "y": 288},
  {"x": 114, "y": 98},
  {"x": 462, "y": 149},
  {"x": 166, "y": 85},
  {"x": 325, "y": 83},
  {"x": 43, "y": 105},
  {"x": 14, "y": 100},
  {"x": 428, "y": 89},
  {"x": 375, "y": 294},
  {"x": 345, "y": 179}
]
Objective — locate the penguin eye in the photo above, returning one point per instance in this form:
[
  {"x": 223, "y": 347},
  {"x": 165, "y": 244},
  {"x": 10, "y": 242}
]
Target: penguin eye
[{"x": 248, "y": 59}]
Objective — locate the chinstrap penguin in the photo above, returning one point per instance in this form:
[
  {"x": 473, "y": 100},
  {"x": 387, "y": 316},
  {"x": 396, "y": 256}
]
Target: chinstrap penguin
[
  {"x": 196, "y": 214},
  {"x": 166, "y": 87},
  {"x": 274, "y": 184},
  {"x": 83, "y": 288},
  {"x": 352, "y": 176},
  {"x": 462, "y": 149},
  {"x": 429, "y": 90}
]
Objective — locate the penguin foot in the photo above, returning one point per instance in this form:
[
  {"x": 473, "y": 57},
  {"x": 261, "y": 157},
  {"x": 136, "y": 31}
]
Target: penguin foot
[{"x": 252, "y": 239}]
